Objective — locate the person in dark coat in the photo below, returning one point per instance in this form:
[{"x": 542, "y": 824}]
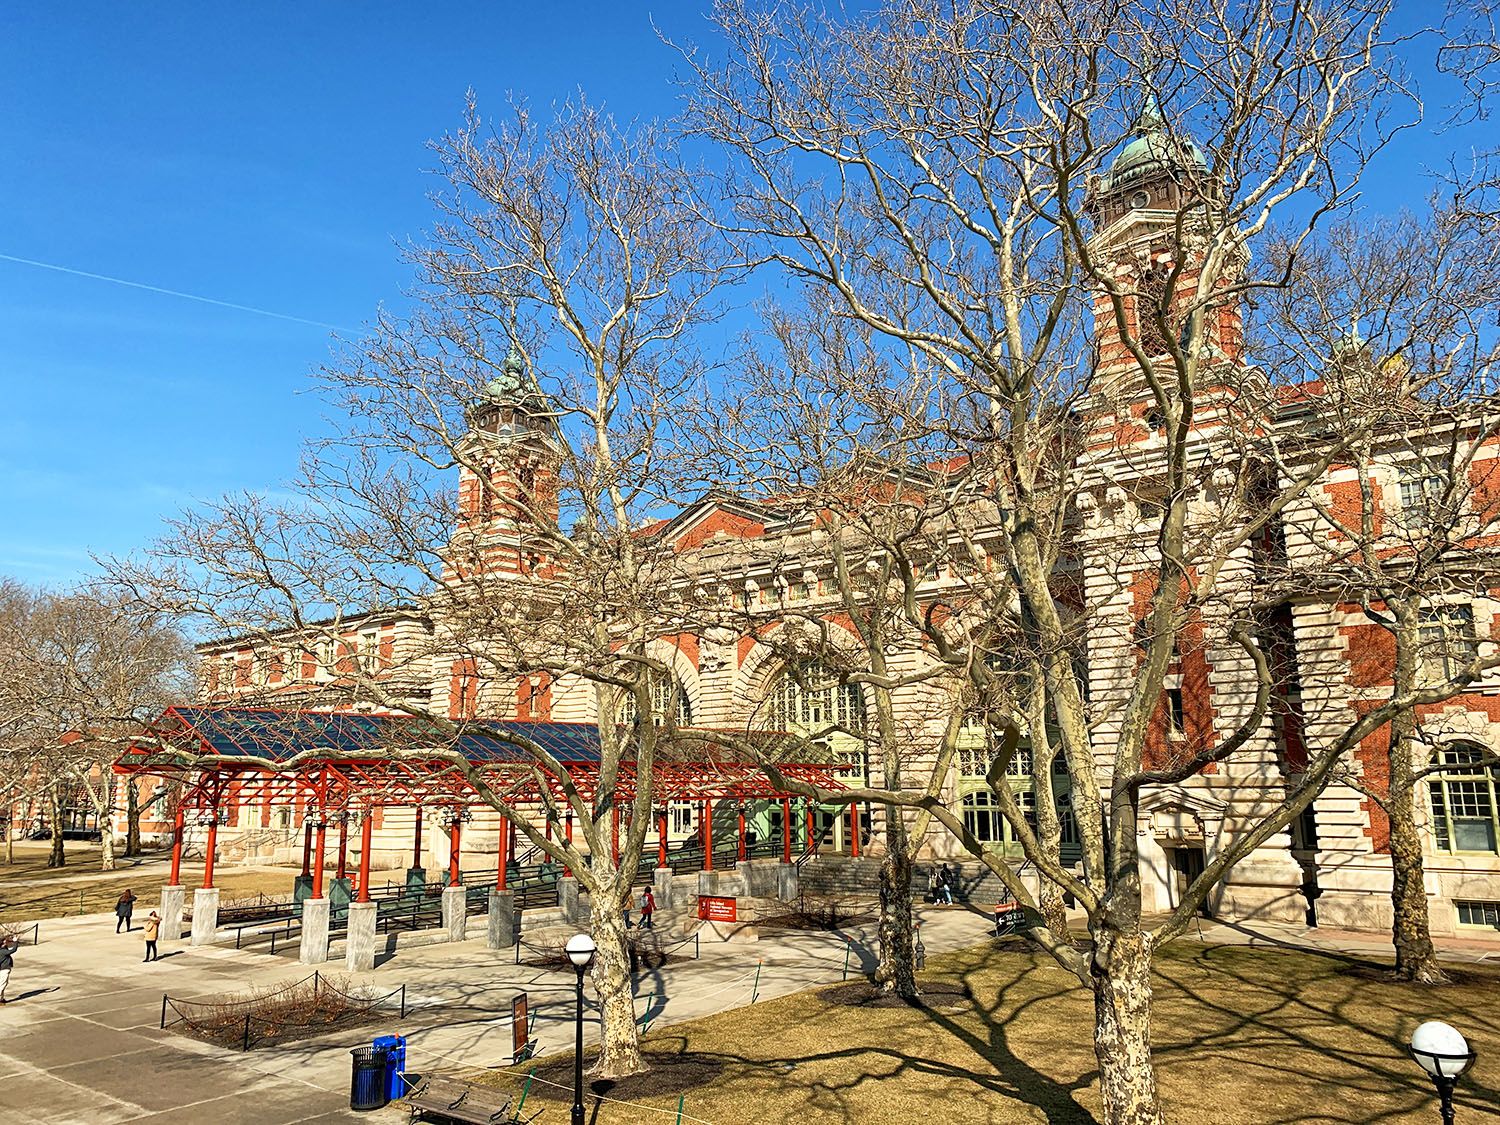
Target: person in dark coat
[
  {"x": 7, "y": 947},
  {"x": 124, "y": 908}
]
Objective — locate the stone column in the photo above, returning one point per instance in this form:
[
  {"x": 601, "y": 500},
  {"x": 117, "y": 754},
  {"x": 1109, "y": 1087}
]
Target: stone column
[
  {"x": 567, "y": 898},
  {"x": 786, "y": 881},
  {"x": 314, "y": 932},
  {"x": 205, "y": 915},
  {"x": 709, "y": 883},
  {"x": 662, "y": 879},
  {"x": 501, "y": 933},
  {"x": 171, "y": 913},
  {"x": 359, "y": 946},
  {"x": 455, "y": 913}
]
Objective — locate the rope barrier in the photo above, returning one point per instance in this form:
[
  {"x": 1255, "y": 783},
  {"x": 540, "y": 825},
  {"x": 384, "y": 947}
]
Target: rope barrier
[
  {"x": 532, "y": 1076},
  {"x": 677, "y": 1113}
]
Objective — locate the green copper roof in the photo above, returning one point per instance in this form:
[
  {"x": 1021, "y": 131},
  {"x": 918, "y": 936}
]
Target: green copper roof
[
  {"x": 1153, "y": 148},
  {"x": 513, "y": 385}
]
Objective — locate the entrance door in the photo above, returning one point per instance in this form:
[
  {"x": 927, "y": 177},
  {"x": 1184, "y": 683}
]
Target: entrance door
[{"x": 1187, "y": 865}]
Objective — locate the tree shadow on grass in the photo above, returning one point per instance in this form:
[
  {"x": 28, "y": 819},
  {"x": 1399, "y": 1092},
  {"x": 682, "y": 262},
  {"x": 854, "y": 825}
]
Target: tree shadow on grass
[
  {"x": 833, "y": 1079},
  {"x": 1326, "y": 1031}
]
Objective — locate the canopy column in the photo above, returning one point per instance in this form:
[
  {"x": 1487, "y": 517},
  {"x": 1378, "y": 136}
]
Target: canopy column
[
  {"x": 177, "y": 830},
  {"x": 812, "y": 830},
  {"x": 708, "y": 835},
  {"x": 416, "y": 847},
  {"x": 343, "y": 846},
  {"x": 307, "y": 834},
  {"x": 209, "y": 848},
  {"x": 503, "y": 850},
  {"x": 454, "y": 829},
  {"x": 661, "y": 836},
  {"x": 319, "y": 855},
  {"x": 786, "y": 830},
  {"x": 740, "y": 854},
  {"x": 365, "y": 832}
]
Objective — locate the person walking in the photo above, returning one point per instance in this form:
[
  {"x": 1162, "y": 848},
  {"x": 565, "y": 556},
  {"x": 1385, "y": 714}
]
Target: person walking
[
  {"x": 7, "y": 947},
  {"x": 124, "y": 908},
  {"x": 945, "y": 885},
  {"x": 648, "y": 908},
  {"x": 152, "y": 929}
]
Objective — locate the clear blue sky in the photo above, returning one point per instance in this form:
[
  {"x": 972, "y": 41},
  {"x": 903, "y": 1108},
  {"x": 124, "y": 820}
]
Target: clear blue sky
[{"x": 267, "y": 155}]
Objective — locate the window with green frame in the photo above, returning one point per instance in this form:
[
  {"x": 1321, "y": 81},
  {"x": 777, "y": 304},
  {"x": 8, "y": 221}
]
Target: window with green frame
[
  {"x": 977, "y": 804},
  {"x": 662, "y": 690},
  {"x": 1465, "y": 809},
  {"x": 812, "y": 700}
]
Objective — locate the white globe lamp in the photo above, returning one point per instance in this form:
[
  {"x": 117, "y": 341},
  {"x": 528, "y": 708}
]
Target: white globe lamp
[{"x": 1442, "y": 1051}]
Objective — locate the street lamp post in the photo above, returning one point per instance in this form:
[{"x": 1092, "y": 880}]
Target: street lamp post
[
  {"x": 1445, "y": 1055},
  {"x": 580, "y": 951}
]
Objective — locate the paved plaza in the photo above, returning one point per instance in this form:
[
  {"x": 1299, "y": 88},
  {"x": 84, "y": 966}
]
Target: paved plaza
[{"x": 82, "y": 1043}]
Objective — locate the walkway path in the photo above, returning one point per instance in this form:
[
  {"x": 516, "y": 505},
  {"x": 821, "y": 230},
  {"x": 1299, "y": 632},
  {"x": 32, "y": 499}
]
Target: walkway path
[
  {"x": 1359, "y": 943},
  {"x": 82, "y": 1043}
]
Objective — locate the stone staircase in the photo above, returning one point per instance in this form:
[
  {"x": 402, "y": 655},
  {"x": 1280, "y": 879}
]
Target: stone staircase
[{"x": 844, "y": 875}]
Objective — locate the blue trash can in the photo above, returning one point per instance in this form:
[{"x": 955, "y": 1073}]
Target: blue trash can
[
  {"x": 367, "y": 1083},
  {"x": 394, "y": 1047}
]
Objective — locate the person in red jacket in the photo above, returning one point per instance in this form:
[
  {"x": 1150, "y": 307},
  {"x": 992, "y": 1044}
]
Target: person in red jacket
[{"x": 648, "y": 908}]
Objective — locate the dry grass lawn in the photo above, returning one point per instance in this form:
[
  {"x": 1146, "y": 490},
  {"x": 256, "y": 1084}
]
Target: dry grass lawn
[
  {"x": 30, "y": 890},
  {"x": 1242, "y": 1036}
]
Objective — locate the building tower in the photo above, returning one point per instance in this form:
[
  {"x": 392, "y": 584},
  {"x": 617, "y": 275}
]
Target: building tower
[
  {"x": 508, "y": 476},
  {"x": 1158, "y": 208},
  {"x": 1157, "y": 201}
]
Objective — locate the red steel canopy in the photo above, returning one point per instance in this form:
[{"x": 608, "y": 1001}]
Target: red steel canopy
[{"x": 336, "y": 761}]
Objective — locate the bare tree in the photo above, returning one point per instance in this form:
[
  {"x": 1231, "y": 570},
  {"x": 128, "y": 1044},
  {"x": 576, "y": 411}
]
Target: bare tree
[
  {"x": 83, "y": 672},
  {"x": 955, "y": 182},
  {"x": 550, "y": 347},
  {"x": 1395, "y": 315}
]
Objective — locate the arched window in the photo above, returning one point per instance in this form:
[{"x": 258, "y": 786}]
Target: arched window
[
  {"x": 982, "y": 817},
  {"x": 661, "y": 698},
  {"x": 1465, "y": 810},
  {"x": 813, "y": 699}
]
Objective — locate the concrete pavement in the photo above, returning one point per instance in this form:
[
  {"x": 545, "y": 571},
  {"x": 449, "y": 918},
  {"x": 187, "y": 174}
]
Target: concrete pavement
[{"x": 82, "y": 1043}]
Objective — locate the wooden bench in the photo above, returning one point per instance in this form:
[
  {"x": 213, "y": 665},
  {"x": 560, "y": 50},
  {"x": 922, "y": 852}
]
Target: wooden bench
[{"x": 448, "y": 1099}]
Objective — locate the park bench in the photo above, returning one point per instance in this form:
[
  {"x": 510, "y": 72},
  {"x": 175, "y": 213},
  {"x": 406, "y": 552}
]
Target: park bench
[{"x": 448, "y": 1099}]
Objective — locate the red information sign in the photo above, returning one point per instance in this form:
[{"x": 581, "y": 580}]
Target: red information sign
[{"x": 717, "y": 908}]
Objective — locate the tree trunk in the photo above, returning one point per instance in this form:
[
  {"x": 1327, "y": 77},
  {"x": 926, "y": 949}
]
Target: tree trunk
[
  {"x": 103, "y": 801},
  {"x": 10, "y": 834},
  {"x": 895, "y": 972},
  {"x": 57, "y": 858},
  {"x": 1054, "y": 911},
  {"x": 620, "y": 1043},
  {"x": 132, "y": 818},
  {"x": 1416, "y": 960},
  {"x": 106, "y": 840},
  {"x": 1121, "y": 971}
]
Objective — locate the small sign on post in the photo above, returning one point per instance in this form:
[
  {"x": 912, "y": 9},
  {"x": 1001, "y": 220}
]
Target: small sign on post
[
  {"x": 520, "y": 1029},
  {"x": 1010, "y": 918},
  {"x": 718, "y": 908}
]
